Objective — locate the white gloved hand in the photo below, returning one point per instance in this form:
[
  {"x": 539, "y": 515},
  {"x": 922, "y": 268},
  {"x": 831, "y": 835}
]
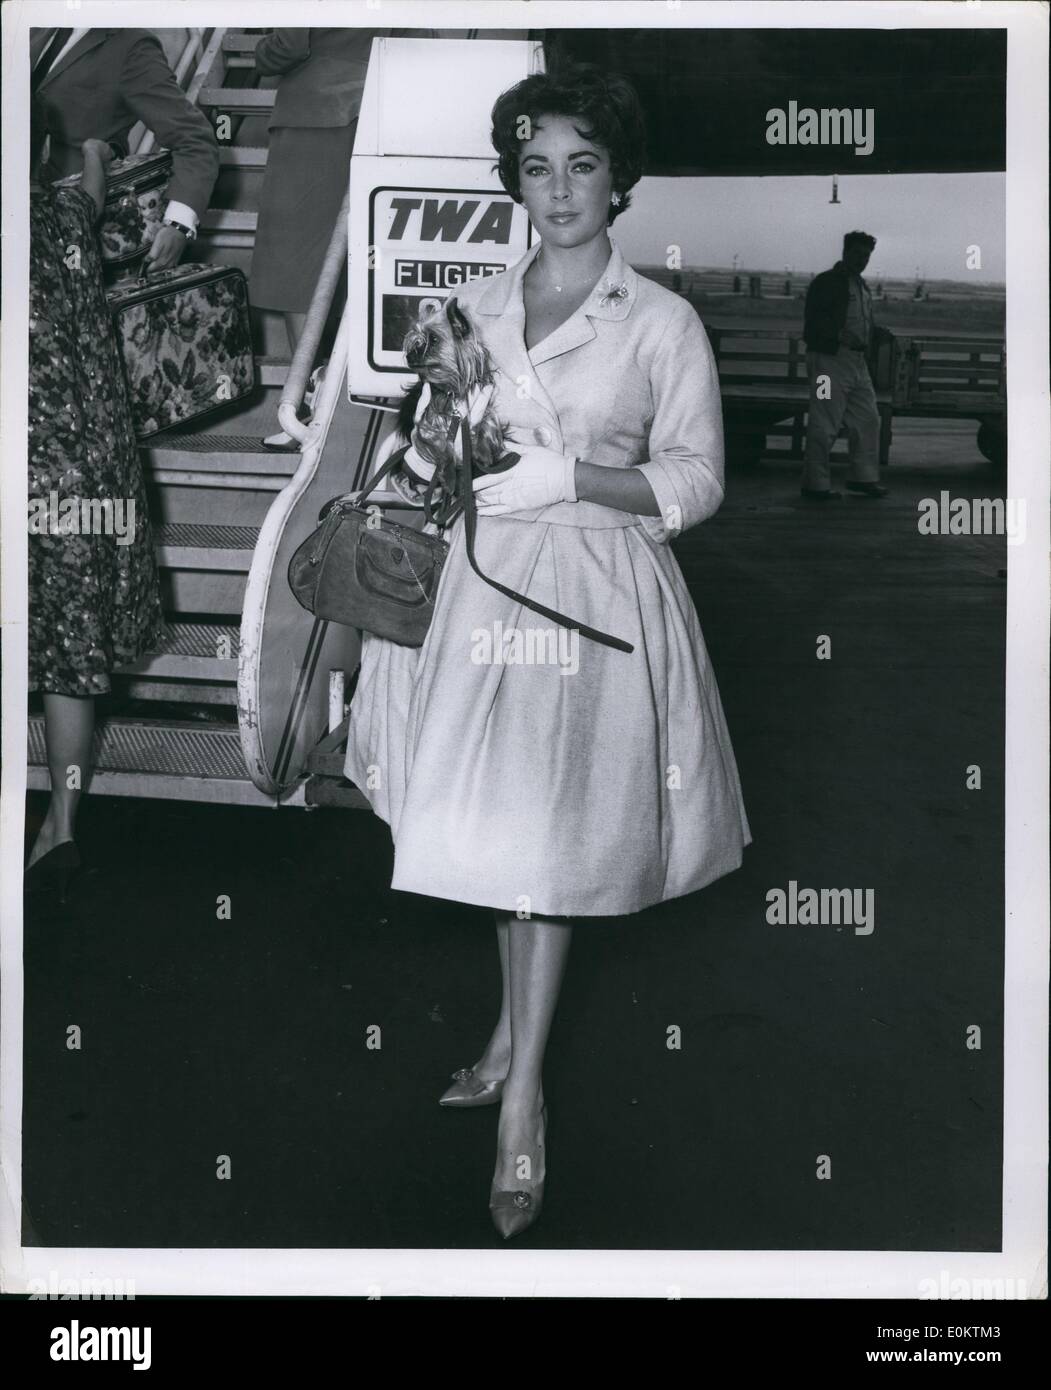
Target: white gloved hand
[{"x": 540, "y": 478}]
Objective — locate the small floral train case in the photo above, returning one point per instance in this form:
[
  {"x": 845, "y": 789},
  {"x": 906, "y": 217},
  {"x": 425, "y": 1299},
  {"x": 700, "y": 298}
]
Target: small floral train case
[
  {"x": 136, "y": 200},
  {"x": 185, "y": 336}
]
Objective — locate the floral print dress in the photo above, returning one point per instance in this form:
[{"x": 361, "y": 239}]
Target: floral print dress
[{"x": 94, "y": 596}]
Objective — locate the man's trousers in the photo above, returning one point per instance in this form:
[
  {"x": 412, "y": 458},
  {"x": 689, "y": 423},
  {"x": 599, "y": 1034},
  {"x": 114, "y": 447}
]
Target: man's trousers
[{"x": 841, "y": 392}]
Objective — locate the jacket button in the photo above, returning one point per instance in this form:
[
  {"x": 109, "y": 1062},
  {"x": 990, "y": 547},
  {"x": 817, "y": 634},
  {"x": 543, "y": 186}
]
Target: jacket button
[{"x": 543, "y": 436}]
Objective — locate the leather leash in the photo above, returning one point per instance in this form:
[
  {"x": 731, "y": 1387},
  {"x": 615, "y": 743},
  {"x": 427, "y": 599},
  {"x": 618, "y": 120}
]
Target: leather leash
[{"x": 465, "y": 488}]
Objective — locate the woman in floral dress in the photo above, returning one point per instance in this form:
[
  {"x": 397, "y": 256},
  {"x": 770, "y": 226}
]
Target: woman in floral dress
[{"x": 94, "y": 597}]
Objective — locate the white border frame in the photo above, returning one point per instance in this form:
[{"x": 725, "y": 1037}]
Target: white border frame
[{"x": 657, "y": 1274}]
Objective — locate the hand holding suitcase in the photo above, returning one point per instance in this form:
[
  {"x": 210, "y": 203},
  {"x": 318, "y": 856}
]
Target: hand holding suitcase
[{"x": 136, "y": 199}]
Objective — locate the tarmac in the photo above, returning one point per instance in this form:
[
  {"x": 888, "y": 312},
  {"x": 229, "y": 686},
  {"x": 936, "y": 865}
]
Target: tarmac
[{"x": 824, "y": 1096}]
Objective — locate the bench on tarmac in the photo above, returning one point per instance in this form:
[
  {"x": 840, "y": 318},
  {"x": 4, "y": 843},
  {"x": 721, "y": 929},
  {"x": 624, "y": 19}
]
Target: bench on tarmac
[{"x": 763, "y": 382}]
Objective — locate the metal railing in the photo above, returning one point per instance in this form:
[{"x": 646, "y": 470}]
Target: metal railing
[{"x": 317, "y": 316}]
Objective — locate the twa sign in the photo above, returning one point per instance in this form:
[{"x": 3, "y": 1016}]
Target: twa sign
[{"x": 419, "y": 228}]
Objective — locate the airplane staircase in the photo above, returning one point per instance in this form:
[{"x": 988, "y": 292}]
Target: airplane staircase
[{"x": 216, "y": 713}]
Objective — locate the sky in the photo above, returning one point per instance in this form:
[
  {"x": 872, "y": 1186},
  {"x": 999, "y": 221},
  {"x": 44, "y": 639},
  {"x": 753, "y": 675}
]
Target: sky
[{"x": 924, "y": 221}]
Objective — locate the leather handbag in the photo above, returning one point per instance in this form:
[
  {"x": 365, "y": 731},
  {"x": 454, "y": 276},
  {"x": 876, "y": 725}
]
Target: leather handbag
[
  {"x": 363, "y": 571},
  {"x": 366, "y": 572}
]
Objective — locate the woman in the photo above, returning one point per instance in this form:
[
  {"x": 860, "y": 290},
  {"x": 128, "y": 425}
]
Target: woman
[
  {"x": 588, "y": 788},
  {"x": 94, "y": 597},
  {"x": 312, "y": 129}
]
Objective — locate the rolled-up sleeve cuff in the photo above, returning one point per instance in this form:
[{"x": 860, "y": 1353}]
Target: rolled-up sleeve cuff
[{"x": 678, "y": 514}]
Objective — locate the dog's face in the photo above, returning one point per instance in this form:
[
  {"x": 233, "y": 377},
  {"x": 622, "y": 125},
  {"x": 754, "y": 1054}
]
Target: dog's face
[{"x": 443, "y": 347}]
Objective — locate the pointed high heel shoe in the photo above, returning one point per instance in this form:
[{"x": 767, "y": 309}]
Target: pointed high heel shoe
[
  {"x": 470, "y": 1091},
  {"x": 52, "y": 871},
  {"x": 282, "y": 443},
  {"x": 515, "y": 1211}
]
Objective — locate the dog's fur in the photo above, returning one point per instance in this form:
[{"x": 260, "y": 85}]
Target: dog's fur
[{"x": 444, "y": 347}]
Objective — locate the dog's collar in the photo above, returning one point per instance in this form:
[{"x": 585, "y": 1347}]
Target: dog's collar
[{"x": 612, "y": 297}]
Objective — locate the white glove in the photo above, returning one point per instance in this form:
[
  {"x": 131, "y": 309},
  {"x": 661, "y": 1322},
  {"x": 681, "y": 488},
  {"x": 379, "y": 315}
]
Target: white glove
[{"x": 540, "y": 478}]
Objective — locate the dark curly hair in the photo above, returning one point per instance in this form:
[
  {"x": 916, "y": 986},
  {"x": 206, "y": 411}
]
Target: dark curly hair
[
  {"x": 858, "y": 239},
  {"x": 603, "y": 106}
]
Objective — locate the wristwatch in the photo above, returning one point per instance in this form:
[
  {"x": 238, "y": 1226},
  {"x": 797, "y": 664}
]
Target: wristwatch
[{"x": 190, "y": 233}]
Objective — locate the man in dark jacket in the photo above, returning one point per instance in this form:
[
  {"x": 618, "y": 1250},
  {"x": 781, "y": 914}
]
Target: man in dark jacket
[
  {"x": 96, "y": 84},
  {"x": 838, "y": 329}
]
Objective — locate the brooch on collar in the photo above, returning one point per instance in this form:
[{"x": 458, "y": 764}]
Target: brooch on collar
[{"x": 610, "y": 294}]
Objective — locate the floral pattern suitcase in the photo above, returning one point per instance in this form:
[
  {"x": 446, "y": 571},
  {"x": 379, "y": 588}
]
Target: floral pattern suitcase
[
  {"x": 136, "y": 199},
  {"x": 186, "y": 339}
]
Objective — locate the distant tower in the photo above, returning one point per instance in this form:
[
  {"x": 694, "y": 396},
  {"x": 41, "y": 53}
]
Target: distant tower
[{"x": 835, "y": 191}]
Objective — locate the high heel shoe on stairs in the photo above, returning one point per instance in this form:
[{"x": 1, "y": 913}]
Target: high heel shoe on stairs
[
  {"x": 470, "y": 1091},
  {"x": 515, "y": 1211},
  {"x": 53, "y": 871},
  {"x": 282, "y": 443}
]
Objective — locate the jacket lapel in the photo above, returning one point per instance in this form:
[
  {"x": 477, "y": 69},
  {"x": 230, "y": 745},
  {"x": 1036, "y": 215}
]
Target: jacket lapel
[
  {"x": 504, "y": 308},
  {"x": 612, "y": 298},
  {"x": 83, "y": 45}
]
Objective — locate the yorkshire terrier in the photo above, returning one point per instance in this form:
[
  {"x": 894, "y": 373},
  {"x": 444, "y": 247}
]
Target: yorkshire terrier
[{"x": 446, "y": 350}]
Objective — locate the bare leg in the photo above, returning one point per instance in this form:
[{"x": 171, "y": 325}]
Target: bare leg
[
  {"x": 69, "y": 724},
  {"x": 294, "y": 325},
  {"x": 495, "y": 1060},
  {"x": 537, "y": 955}
]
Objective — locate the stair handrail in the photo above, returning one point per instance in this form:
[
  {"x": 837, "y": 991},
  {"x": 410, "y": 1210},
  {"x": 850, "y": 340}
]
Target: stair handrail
[{"x": 317, "y": 316}]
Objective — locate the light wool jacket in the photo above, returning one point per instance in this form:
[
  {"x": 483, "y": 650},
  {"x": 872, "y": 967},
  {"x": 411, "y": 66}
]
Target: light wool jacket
[{"x": 629, "y": 379}]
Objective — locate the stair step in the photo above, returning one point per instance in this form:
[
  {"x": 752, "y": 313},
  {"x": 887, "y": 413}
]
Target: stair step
[
  {"x": 216, "y": 453},
  {"x": 190, "y": 545},
  {"x": 190, "y": 650},
  {"x": 240, "y": 43},
  {"x": 178, "y": 692},
  {"x": 182, "y": 760},
  {"x": 335, "y": 791},
  {"x": 238, "y": 101},
  {"x": 325, "y": 784},
  {"x": 228, "y": 220},
  {"x": 327, "y": 756},
  {"x": 240, "y": 60},
  {"x": 272, "y": 371},
  {"x": 243, "y": 156}
]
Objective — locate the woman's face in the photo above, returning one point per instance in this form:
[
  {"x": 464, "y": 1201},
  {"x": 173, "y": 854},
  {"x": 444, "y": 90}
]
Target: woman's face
[{"x": 566, "y": 182}]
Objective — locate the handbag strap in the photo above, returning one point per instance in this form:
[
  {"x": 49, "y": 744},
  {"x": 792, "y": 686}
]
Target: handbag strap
[
  {"x": 373, "y": 483},
  {"x": 470, "y": 516}
]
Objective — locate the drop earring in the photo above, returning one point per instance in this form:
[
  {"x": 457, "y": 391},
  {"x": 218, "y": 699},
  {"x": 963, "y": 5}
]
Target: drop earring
[{"x": 615, "y": 200}]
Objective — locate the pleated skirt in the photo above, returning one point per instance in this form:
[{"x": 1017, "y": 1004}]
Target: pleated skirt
[{"x": 541, "y": 774}]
